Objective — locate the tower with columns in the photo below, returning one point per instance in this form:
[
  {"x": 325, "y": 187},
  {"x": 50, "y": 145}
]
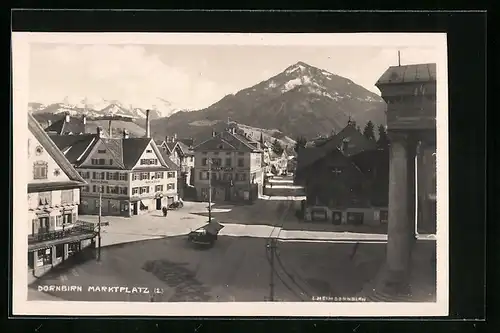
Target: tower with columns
[{"x": 410, "y": 94}]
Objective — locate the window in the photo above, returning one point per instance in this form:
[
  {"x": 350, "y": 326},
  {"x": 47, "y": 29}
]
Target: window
[
  {"x": 204, "y": 161},
  {"x": 170, "y": 186},
  {"x": 227, "y": 176},
  {"x": 40, "y": 170},
  {"x": 203, "y": 175},
  {"x": 149, "y": 151},
  {"x": 136, "y": 176},
  {"x": 67, "y": 197},
  {"x": 144, "y": 175},
  {"x": 45, "y": 198},
  {"x": 86, "y": 189},
  {"x": 99, "y": 175},
  {"x": 216, "y": 162},
  {"x": 135, "y": 190},
  {"x": 170, "y": 174},
  {"x": 149, "y": 161},
  {"x": 101, "y": 151},
  {"x": 159, "y": 175},
  {"x": 85, "y": 175},
  {"x": 112, "y": 189},
  {"x": 112, "y": 175},
  {"x": 123, "y": 190},
  {"x": 158, "y": 188},
  {"x": 67, "y": 219},
  {"x": 228, "y": 162},
  {"x": 241, "y": 162},
  {"x": 214, "y": 175},
  {"x": 144, "y": 189},
  {"x": 123, "y": 176}
]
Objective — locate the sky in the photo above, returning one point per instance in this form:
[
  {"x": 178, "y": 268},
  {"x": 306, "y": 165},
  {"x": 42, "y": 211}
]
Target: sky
[{"x": 192, "y": 76}]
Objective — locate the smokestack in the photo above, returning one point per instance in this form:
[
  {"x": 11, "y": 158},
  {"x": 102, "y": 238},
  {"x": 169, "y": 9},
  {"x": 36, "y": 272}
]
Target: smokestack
[
  {"x": 148, "y": 130},
  {"x": 99, "y": 131},
  {"x": 67, "y": 118},
  {"x": 125, "y": 134}
]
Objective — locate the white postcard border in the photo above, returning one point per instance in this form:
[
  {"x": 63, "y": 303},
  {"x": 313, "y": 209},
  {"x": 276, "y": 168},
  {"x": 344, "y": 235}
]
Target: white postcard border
[{"x": 20, "y": 60}]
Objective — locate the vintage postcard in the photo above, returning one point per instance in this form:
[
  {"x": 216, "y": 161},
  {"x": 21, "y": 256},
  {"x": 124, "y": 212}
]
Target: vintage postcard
[{"x": 230, "y": 174}]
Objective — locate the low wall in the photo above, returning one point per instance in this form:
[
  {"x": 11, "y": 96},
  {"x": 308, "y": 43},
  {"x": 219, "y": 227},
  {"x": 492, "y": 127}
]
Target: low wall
[{"x": 366, "y": 216}]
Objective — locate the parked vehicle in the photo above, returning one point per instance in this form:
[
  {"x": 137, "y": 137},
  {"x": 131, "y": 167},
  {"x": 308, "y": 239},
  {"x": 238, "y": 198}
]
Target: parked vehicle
[
  {"x": 176, "y": 204},
  {"x": 205, "y": 235}
]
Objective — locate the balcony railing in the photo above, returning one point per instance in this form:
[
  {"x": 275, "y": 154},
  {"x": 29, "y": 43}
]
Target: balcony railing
[{"x": 79, "y": 228}]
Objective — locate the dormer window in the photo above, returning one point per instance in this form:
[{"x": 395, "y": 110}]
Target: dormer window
[{"x": 40, "y": 170}]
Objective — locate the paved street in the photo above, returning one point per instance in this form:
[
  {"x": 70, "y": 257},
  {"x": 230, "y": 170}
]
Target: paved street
[{"x": 150, "y": 252}]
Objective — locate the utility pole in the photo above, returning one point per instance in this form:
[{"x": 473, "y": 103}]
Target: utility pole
[
  {"x": 272, "y": 246},
  {"x": 99, "y": 225},
  {"x": 399, "y": 58},
  {"x": 209, "y": 190}
]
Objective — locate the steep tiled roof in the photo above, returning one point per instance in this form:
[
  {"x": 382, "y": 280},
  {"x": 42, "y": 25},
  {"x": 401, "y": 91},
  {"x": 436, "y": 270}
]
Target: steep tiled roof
[
  {"x": 184, "y": 148},
  {"x": 350, "y": 141},
  {"x": 74, "y": 126},
  {"x": 226, "y": 141},
  {"x": 125, "y": 152},
  {"x": 132, "y": 150},
  {"x": 170, "y": 164},
  {"x": 75, "y": 148},
  {"x": 408, "y": 73},
  {"x": 53, "y": 151}
]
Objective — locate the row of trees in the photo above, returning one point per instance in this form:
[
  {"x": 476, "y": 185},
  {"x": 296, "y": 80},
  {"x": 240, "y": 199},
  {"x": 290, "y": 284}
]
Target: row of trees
[{"x": 368, "y": 132}]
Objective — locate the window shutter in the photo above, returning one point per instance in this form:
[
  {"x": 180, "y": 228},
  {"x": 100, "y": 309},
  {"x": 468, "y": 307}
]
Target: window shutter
[
  {"x": 35, "y": 225},
  {"x": 107, "y": 175},
  {"x": 52, "y": 222},
  {"x": 102, "y": 175}
]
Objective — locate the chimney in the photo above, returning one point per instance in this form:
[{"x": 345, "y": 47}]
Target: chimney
[
  {"x": 99, "y": 131},
  {"x": 125, "y": 134},
  {"x": 213, "y": 133},
  {"x": 148, "y": 131},
  {"x": 67, "y": 118}
]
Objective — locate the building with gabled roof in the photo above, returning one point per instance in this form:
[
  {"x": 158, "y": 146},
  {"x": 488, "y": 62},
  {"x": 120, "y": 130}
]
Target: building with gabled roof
[
  {"x": 345, "y": 174},
  {"x": 132, "y": 173},
  {"x": 68, "y": 125},
  {"x": 54, "y": 185},
  {"x": 234, "y": 164}
]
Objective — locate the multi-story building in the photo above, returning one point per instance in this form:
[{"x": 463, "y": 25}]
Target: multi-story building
[
  {"x": 54, "y": 232},
  {"x": 234, "y": 164},
  {"x": 129, "y": 174},
  {"x": 181, "y": 154}
]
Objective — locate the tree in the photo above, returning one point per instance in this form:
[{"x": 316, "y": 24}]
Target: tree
[
  {"x": 277, "y": 149},
  {"x": 369, "y": 131},
  {"x": 300, "y": 143},
  {"x": 383, "y": 140}
]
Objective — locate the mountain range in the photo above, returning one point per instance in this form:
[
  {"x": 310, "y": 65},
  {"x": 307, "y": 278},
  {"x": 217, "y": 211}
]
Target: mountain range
[{"x": 302, "y": 100}]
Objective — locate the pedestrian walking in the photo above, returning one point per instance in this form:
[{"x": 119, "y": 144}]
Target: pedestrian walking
[{"x": 165, "y": 211}]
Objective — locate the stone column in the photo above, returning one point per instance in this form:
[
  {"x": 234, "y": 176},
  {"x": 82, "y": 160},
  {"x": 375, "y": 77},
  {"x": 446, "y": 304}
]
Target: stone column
[{"x": 400, "y": 230}]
